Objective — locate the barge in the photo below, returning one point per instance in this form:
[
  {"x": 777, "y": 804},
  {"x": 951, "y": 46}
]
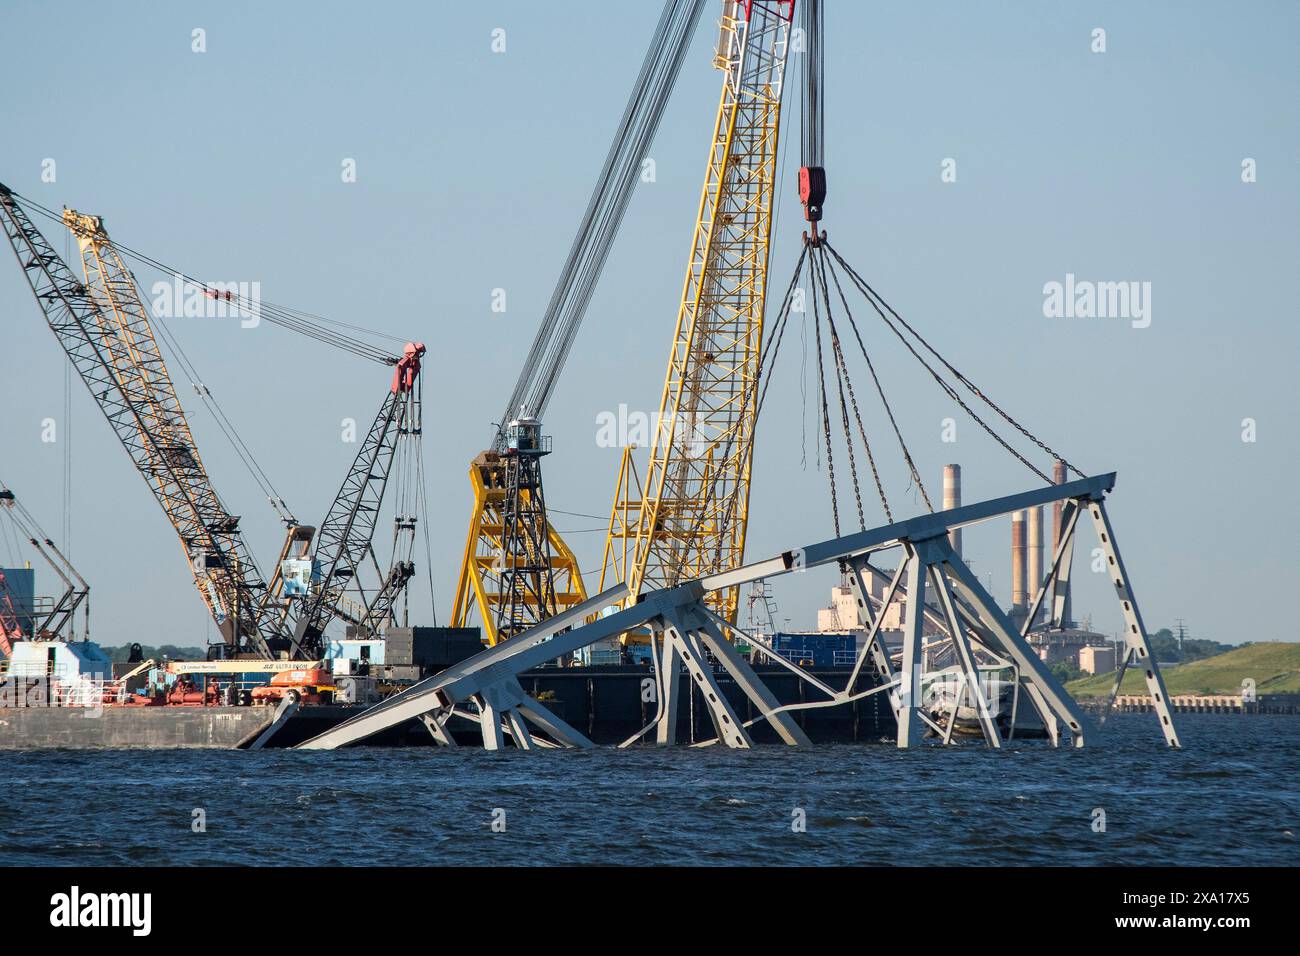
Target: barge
[
  {"x": 69, "y": 695},
  {"x": 608, "y": 703}
]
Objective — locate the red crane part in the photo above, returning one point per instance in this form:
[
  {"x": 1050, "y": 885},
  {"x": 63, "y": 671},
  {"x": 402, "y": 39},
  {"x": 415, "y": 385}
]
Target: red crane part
[{"x": 408, "y": 366}]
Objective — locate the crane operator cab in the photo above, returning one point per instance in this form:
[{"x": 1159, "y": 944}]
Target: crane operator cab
[
  {"x": 524, "y": 437},
  {"x": 300, "y": 576}
]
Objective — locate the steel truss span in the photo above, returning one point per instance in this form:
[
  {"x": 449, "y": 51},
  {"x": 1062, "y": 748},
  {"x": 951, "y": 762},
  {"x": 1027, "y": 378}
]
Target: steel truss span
[{"x": 688, "y": 633}]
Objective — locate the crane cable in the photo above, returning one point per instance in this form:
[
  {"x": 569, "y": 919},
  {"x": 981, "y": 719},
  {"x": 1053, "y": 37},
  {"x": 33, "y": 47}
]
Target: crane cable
[
  {"x": 842, "y": 375},
  {"x": 605, "y": 209},
  {"x": 812, "y": 118},
  {"x": 295, "y": 320},
  {"x": 292, "y": 319},
  {"x": 245, "y": 454},
  {"x": 826, "y": 418},
  {"x": 884, "y": 400},
  {"x": 821, "y": 263},
  {"x": 881, "y": 307}
]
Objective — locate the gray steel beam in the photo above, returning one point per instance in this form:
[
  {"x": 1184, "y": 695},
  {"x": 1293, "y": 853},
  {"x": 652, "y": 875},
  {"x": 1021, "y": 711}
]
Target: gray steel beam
[
  {"x": 683, "y": 628},
  {"x": 489, "y": 719},
  {"x": 726, "y": 723},
  {"x": 287, "y": 707},
  {"x": 767, "y": 648},
  {"x": 545, "y": 719},
  {"x": 670, "y": 688},
  {"x": 913, "y": 529},
  {"x": 909, "y": 729},
  {"x": 1135, "y": 633},
  {"x": 1028, "y": 663},
  {"x": 873, "y": 646},
  {"x": 436, "y": 724},
  {"x": 725, "y": 652},
  {"x": 502, "y": 662},
  {"x": 1060, "y": 565},
  {"x": 969, "y": 668},
  {"x": 519, "y": 730}
]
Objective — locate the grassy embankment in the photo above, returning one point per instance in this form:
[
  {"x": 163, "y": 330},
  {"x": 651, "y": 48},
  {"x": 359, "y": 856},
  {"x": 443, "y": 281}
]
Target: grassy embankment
[{"x": 1274, "y": 666}]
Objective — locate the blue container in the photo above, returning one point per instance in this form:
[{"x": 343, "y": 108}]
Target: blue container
[{"x": 824, "y": 650}]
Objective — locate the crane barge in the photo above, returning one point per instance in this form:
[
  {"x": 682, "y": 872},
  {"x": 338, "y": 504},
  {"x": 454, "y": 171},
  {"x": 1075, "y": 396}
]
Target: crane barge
[{"x": 269, "y": 628}]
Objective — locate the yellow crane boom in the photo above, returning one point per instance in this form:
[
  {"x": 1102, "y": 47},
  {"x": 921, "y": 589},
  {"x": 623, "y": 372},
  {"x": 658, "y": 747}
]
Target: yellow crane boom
[
  {"x": 157, "y": 434},
  {"x": 689, "y": 515}
]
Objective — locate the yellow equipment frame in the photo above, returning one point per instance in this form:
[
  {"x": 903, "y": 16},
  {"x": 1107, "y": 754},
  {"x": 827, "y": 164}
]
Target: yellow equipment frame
[{"x": 477, "y": 588}]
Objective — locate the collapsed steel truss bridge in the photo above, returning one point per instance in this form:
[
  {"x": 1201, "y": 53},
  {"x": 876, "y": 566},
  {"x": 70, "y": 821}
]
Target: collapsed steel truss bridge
[{"x": 687, "y": 632}]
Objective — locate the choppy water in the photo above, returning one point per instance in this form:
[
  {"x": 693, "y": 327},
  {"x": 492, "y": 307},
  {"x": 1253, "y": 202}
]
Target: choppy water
[{"x": 1229, "y": 798}]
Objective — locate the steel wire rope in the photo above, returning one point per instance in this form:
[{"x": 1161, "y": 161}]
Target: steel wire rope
[
  {"x": 881, "y": 306},
  {"x": 291, "y": 319},
  {"x": 826, "y": 417},
  {"x": 604, "y": 213},
  {"x": 871, "y": 366}
]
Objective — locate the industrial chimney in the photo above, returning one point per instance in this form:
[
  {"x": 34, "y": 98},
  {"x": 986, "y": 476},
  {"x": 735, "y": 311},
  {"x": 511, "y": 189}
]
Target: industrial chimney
[
  {"x": 1059, "y": 476},
  {"x": 1034, "y": 567},
  {"x": 952, "y": 499},
  {"x": 1018, "y": 565}
]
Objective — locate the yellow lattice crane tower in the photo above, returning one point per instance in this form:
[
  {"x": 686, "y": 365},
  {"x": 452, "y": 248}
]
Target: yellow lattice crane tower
[{"x": 688, "y": 514}]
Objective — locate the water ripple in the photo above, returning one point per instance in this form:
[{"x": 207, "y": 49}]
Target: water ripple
[{"x": 1224, "y": 800}]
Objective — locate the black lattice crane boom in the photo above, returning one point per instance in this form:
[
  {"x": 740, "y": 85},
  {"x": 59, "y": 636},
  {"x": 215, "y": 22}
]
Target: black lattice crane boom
[
  {"x": 104, "y": 328},
  {"x": 344, "y": 540},
  {"x": 57, "y": 621}
]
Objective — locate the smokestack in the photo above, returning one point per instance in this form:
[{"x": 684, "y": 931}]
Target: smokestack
[
  {"x": 1059, "y": 476},
  {"x": 1034, "y": 569},
  {"x": 952, "y": 499},
  {"x": 1018, "y": 561}
]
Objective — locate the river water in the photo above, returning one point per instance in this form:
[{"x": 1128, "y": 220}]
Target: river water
[{"x": 1229, "y": 798}]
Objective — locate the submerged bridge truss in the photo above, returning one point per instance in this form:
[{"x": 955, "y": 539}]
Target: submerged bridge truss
[{"x": 687, "y": 632}]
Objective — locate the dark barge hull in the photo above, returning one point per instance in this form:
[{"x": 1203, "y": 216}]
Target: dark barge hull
[
  {"x": 606, "y": 703},
  {"x": 72, "y": 728}
]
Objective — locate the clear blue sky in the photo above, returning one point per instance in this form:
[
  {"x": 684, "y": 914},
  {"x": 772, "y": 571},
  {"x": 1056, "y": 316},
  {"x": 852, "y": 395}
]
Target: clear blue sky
[{"x": 473, "y": 168}]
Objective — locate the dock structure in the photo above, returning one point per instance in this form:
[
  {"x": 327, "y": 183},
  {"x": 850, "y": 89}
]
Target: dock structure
[
  {"x": 1212, "y": 704},
  {"x": 1184, "y": 704},
  {"x": 686, "y": 632}
]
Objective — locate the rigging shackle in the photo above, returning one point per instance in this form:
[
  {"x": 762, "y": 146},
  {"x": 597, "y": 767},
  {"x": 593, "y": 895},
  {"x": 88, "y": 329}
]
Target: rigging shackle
[{"x": 815, "y": 239}]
